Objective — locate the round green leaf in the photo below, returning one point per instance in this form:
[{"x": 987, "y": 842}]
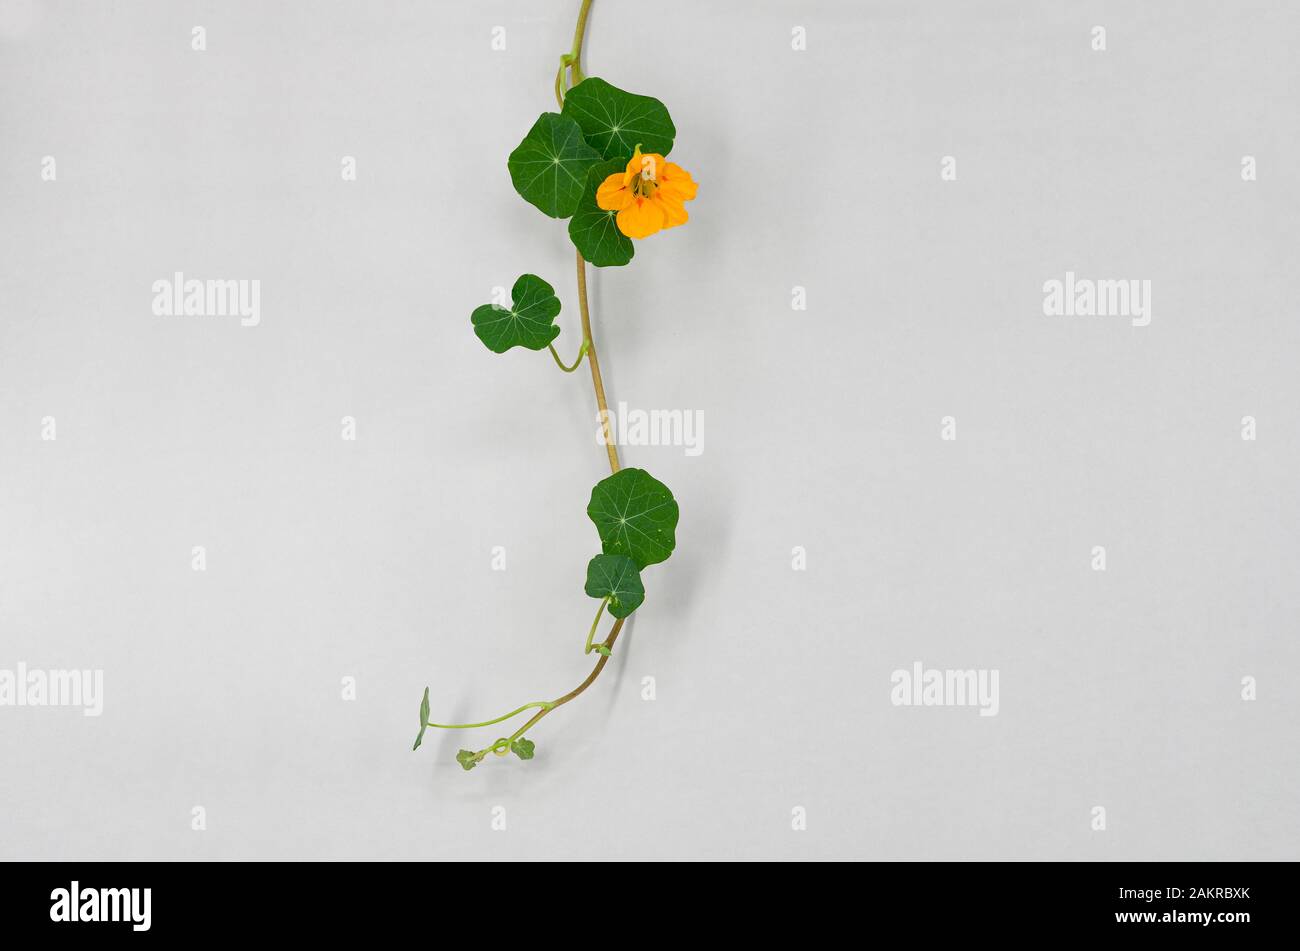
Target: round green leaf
[
  {"x": 549, "y": 168},
  {"x": 615, "y": 121},
  {"x": 523, "y": 748},
  {"x": 635, "y": 515},
  {"x": 593, "y": 230},
  {"x": 615, "y": 577},
  {"x": 528, "y": 322}
]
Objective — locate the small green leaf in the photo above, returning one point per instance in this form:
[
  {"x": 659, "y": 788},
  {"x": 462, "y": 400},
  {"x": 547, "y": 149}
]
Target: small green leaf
[
  {"x": 467, "y": 759},
  {"x": 593, "y": 230},
  {"x": 615, "y": 577},
  {"x": 529, "y": 322},
  {"x": 615, "y": 122},
  {"x": 424, "y": 720},
  {"x": 523, "y": 748},
  {"x": 603, "y": 651},
  {"x": 635, "y": 515},
  {"x": 549, "y": 167}
]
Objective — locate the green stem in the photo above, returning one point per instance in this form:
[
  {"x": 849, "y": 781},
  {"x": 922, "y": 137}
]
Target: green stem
[
  {"x": 559, "y": 79},
  {"x": 572, "y": 60},
  {"x": 597, "y": 382},
  {"x": 517, "y": 735},
  {"x": 575, "y": 55},
  {"x": 582, "y": 352},
  {"x": 592, "y": 633},
  {"x": 544, "y": 704},
  {"x": 546, "y": 708},
  {"x": 578, "y": 690}
]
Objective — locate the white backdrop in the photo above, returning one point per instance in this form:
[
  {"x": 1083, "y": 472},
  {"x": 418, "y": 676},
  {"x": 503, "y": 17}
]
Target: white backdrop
[{"x": 819, "y": 168}]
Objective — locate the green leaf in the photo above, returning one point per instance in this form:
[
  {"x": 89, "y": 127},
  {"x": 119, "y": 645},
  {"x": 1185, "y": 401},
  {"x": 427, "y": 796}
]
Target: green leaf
[
  {"x": 528, "y": 322},
  {"x": 615, "y": 122},
  {"x": 424, "y": 720},
  {"x": 549, "y": 167},
  {"x": 635, "y": 515},
  {"x": 615, "y": 577},
  {"x": 523, "y": 748},
  {"x": 467, "y": 759},
  {"x": 602, "y": 650},
  {"x": 593, "y": 230}
]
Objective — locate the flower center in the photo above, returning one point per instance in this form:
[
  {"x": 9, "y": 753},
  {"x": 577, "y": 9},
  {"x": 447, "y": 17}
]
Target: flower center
[
  {"x": 646, "y": 181},
  {"x": 643, "y": 187}
]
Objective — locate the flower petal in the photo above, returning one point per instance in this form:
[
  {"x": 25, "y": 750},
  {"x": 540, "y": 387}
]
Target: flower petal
[
  {"x": 673, "y": 208},
  {"x": 678, "y": 181},
  {"x": 613, "y": 195},
  {"x": 641, "y": 219}
]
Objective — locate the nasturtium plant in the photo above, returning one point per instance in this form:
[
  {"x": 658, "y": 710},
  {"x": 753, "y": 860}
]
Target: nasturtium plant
[
  {"x": 615, "y": 578},
  {"x": 549, "y": 167},
  {"x": 635, "y": 515},
  {"x": 600, "y": 162},
  {"x": 615, "y": 122},
  {"x": 528, "y": 322}
]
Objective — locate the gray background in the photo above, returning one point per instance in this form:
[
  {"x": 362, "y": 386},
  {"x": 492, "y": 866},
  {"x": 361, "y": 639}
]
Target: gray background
[{"x": 372, "y": 558}]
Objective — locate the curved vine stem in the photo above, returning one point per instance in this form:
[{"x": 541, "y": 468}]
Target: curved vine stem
[
  {"x": 575, "y": 55},
  {"x": 595, "y": 621},
  {"x": 576, "y": 691},
  {"x": 572, "y": 60},
  {"x": 512, "y": 713},
  {"x": 597, "y": 383},
  {"x": 582, "y": 352},
  {"x": 572, "y": 63}
]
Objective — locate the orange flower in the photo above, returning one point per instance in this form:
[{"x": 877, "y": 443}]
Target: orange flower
[{"x": 649, "y": 196}]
